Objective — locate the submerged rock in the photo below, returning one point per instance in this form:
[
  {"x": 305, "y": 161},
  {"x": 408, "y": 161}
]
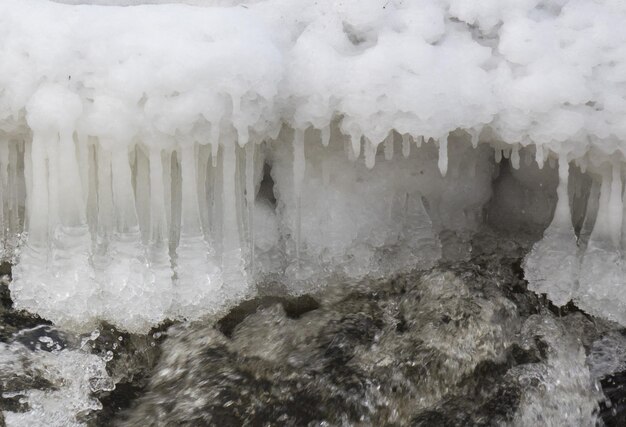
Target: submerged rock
[{"x": 463, "y": 344}]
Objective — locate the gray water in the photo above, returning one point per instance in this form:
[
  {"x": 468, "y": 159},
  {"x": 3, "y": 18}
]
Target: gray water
[{"x": 462, "y": 344}]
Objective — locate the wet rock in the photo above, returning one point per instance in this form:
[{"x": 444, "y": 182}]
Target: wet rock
[{"x": 465, "y": 344}]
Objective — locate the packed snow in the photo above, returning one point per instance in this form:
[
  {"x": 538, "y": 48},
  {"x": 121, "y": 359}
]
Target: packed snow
[{"x": 157, "y": 161}]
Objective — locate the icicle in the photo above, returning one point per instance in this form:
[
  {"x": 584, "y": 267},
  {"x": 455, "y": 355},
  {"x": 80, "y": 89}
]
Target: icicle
[
  {"x": 232, "y": 260},
  {"x": 203, "y": 154},
  {"x": 506, "y": 153},
  {"x": 443, "y": 156},
  {"x": 498, "y": 155},
  {"x": 616, "y": 207},
  {"x": 243, "y": 136},
  {"x": 406, "y": 145},
  {"x": 38, "y": 201},
  {"x": 591, "y": 212},
  {"x": 14, "y": 193},
  {"x": 190, "y": 215},
  {"x": 347, "y": 149},
  {"x": 28, "y": 182},
  {"x": 539, "y": 158},
  {"x": 198, "y": 279},
  {"x": 123, "y": 197},
  {"x": 552, "y": 266},
  {"x": 72, "y": 206},
  {"x": 157, "y": 253},
  {"x": 105, "y": 197},
  {"x": 370, "y": 154},
  {"x": 602, "y": 271},
  {"x": 142, "y": 192},
  {"x": 54, "y": 192},
  {"x": 515, "y": 157},
  {"x": 250, "y": 195},
  {"x": 562, "y": 213},
  {"x": 419, "y": 141},
  {"x": 601, "y": 230},
  {"x": 4, "y": 161},
  {"x": 325, "y": 131},
  {"x": 215, "y": 143},
  {"x": 242, "y": 130},
  {"x": 623, "y": 228},
  {"x": 166, "y": 155},
  {"x": 82, "y": 147},
  {"x": 474, "y": 136},
  {"x": 158, "y": 220},
  {"x": 298, "y": 178},
  {"x": 4, "y": 190},
  {"x": 355, "y": 141},
  {"x": 388, "y": 146}
]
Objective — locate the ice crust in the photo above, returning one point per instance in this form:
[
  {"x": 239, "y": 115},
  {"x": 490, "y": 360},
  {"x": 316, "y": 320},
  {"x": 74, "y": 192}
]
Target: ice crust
[{"x": 134, "y": 142}]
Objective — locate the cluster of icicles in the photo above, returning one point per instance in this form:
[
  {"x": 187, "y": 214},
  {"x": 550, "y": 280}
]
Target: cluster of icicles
[
  {"x": 104, "y": 224},
  {"x": 585, "y": 267},
  {"x": 170, "y": 230}
]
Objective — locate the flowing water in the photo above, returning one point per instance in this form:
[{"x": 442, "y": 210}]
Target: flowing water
[{"x": 464, "y": 343}]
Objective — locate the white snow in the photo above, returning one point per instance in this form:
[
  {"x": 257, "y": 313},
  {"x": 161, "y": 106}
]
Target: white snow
[{"x": 133, "y": 142}]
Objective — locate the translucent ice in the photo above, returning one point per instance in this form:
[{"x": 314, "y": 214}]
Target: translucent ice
[
  {"x": 132, "y": 158},
  {"x": 552, "y": 266}
]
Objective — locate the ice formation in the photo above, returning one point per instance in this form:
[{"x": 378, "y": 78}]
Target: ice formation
[{"x": 139, "y": 145}]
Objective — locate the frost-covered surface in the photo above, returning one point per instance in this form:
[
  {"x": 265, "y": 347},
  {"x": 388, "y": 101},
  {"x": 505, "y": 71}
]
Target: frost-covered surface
[{"x": 135, "y": 142}]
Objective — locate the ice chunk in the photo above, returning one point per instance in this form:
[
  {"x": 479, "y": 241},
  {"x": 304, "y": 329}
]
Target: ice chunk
[{"x": 552, "y": 266}]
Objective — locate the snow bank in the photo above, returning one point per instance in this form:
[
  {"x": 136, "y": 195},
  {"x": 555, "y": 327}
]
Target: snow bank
[{"x": 134, "y": 140}]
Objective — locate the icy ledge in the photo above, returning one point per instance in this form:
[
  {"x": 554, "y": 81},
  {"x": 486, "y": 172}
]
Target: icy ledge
[{"x": 159, "y": 161}]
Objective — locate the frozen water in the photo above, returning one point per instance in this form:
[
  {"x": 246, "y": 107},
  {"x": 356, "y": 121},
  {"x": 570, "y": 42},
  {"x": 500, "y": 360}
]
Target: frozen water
[
  {"x": 553, "y": 264},
  {"x": 131, "y": 156}
]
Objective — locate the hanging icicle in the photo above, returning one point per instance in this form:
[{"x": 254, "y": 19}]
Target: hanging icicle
[
  {"x": 370, "y": 153},
  {"x": 406, "y": 145},
  {"x": 443, "y": 155},
  {"x": 515, "y": 157},
  {"x": 299, "y": 165},
  {"x": 388, "y": 146},
  {"x": 250, "y": 195},
  {"x": 539, "y": 157}
]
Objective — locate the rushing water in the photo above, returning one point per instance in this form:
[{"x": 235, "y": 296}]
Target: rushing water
[{"x": 462, "y": 344}]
